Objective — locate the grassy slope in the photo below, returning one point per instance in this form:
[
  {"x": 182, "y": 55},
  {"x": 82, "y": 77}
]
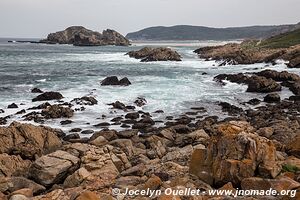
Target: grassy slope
[{"x": 282, "y": 40}]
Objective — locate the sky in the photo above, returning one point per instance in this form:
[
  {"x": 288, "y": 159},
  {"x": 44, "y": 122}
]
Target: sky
[{"x": 37, "y": 18}]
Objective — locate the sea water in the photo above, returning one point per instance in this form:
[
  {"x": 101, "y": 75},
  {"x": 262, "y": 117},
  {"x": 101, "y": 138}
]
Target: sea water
[{"x": 173, "y": 87}]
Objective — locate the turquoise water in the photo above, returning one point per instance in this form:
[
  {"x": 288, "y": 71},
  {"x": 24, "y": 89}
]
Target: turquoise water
[{"x": 174, "y": 87}]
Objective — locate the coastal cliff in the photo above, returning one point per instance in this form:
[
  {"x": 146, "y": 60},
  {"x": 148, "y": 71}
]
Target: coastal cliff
[{"x": 80, "y": 36}]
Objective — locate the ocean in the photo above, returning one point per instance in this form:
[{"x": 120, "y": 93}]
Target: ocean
[{"x": 173, "y": 87}]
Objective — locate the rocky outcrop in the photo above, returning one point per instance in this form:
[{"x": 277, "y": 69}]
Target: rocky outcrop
[
  {"x": 235, "y": 154},
  {"x": 148, "y": 54},
  {"x": 113, "y": 80},
  {"x": 255, "y": 83},
  {"x": 28, "y": 140},
  {"x": 48, "y": 96},
  {"x": 80, "y": 36},
  {"x": 249, "y": 52}
]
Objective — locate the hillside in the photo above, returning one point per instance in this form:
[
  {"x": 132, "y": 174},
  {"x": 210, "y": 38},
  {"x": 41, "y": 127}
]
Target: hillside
[
  {"x": 186, "y": 32},
  {"x": 283, "y": 40}
]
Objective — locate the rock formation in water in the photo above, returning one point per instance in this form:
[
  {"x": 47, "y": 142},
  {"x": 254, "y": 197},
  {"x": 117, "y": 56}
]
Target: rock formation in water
[
  {"x": 80, "y": 36},
  {"x": 148, "y": 54}
]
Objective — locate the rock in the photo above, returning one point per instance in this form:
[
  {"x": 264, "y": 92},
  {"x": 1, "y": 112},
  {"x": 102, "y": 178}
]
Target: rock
[
  {"x": 108, "y": 135},
  {"x": 13, "y": 184},
  {"x": 272, "y": 98},
  {"x": 279, "y": 76},
  {"x": 127, "y": 133},
  {"x": 53, "y": 168},
  {"x": 76, "y": 178},
  {"x": 255, "y": 83},
  {"x": 124, "y": 81},
  {"x": 13, "y": 105},
  {"x": 294, "y": 63},
  {"x": 87, "y": 195},
  {"x": 113, "y": 80},
  {"x": 148, "y": 54},
  {"x": 75, "y": 130},
  {"x": 294, "y": 147},
  {"x": 237, "y": 152},
  {"x": 71, "y": 136},
  {"x": 262, "y": 85},
  {"x": 80, "y": 36},
  {"x": 118, "y": 105},
  {"x": 21, "y": 112},
  {"x": 12, "y": 165},
  {"x": 244, "y": 53},
  {"x": 254, "y": 101},
  {"x": 1, "y": 111},
  {"x": 57, "y": 111},
  {"x": 26, "y": 192},
  {"x": 102, "y": 124},
  {"x": 36, "y": 90},
  {"x": 134, "y": 115},
  {"x": 140, "y": 101},
  {"x": 99, "y": 141},
  {"x": 87, "y": 132},
  {"x": 86, "y": 100},
  {"x": 28, "y": 140},
  {"x": 18, "y": 197},
  {"x": 65, "y": 122},
  {"x": 124, "y": 144},
  {"x": 230, "y": 109},
  {"x": 279, "y": 184},
  {"x": 48, "y": 96}
]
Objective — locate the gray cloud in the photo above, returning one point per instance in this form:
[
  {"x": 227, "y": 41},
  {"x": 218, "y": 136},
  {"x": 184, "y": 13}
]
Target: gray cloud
[{"x": 36, "y": 18}]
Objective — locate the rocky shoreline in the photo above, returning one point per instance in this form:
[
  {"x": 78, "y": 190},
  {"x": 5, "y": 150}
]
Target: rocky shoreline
[
  {"x": 255, "y": 148},
  {"x": 249, "y": 52}
]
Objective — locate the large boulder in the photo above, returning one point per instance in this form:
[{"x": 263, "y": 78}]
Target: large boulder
[
  {"x": 148, "y": 54},
  {"x": 12, "y": 165},
  {"x": 237, "y": 152},
  {"x": 80, "y": 36},
  {"x": 53, "y": 168},
  {"x": 28, "y": 140},
  {"x": 46, "y": 96}
]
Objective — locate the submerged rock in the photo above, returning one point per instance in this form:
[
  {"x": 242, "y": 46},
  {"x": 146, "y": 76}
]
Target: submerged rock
[
  {"x": 148, "y": 54},
  {"x": 86, "y": 100},
  {"x": 80, "y": 36}
]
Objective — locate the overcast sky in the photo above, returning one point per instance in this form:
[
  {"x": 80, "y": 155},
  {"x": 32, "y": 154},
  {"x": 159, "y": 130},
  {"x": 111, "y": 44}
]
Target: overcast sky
[{"x": 37, "y": 18}]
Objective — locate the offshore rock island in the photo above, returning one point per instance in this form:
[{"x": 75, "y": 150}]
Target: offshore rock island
[{"x": 80, "y": 36}]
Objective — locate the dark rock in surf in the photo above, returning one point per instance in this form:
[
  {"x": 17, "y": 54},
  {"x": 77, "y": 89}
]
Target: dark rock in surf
[
  {"x": 36, "y": 90},
  {"x": 272, "y": 98},
  {"x": 140, "y": 101},
  {"x": 48, "y": 96},
  {"x": 13, "y": 105},
  {"x": 113, "y": 80}
]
